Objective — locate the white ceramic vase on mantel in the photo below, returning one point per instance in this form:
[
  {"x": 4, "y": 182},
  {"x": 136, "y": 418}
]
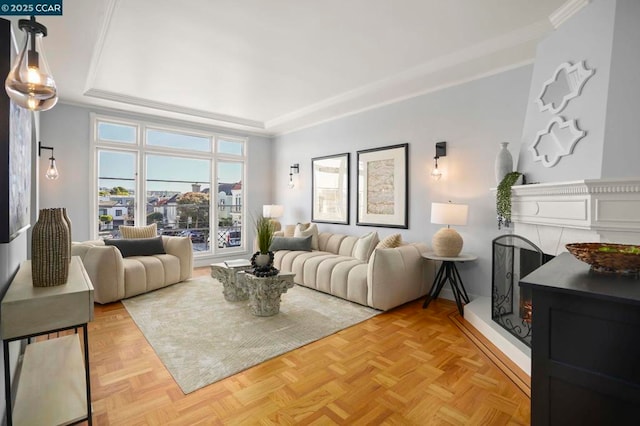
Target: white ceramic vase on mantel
[{"x": 504, "y": 162}]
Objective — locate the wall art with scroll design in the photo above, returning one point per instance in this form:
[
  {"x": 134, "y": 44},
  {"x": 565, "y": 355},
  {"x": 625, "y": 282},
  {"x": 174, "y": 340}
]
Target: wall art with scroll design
[
  {"x": 556, "y": 141},
  {"x": 567, "y": 83}
]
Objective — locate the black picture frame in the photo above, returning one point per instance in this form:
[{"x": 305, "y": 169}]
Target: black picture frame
[
  {"x": 330, "y": 189},
  {"x": 15, "y": 152},
  {"x": 383, "y": 187}
]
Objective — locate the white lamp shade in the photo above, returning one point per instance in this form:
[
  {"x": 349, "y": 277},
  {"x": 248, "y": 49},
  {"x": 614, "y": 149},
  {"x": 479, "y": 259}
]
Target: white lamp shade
[
  {"x": 272, "y": 210},
  {"x": 449, "y": 213}
]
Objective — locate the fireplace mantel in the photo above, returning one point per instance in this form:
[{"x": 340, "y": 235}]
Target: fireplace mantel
[{"x": 554, "y": 214}]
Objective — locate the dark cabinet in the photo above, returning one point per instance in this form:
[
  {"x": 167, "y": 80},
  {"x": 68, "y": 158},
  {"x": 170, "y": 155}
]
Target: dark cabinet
[{"x": 585, "y": 348}]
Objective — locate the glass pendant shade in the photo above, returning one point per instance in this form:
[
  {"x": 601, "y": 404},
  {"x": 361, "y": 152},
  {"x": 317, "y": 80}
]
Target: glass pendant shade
[
  {"x": 436, "y": 174},
  {"x": 52, "y": 171},
  {"x": 30, "y": 83}
]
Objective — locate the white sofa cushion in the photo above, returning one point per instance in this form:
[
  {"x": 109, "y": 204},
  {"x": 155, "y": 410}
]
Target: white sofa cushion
[
  {"x": 365, "y": 245},
  {"x": 148, "y": 231},
  {"x": 312, "y": 230}
]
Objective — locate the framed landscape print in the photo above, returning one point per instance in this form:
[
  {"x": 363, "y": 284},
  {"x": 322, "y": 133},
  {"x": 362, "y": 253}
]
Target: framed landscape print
[
  {"x": 15, "y": 153},
  {"x": 383, "y": 188},
  {"x": 330, "y": 189}
]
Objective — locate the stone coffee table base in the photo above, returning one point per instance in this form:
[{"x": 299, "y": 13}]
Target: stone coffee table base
[
  {"x": 228, "y": 276},
  {"x": 265, "y": 292}
]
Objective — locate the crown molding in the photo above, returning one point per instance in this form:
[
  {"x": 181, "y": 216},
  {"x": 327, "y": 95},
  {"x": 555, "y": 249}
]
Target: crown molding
[
  {"x": 510, "y": 40},
  {"x": 163, "y": 106},
  {"x": 411, "y": 95},
  {"x": 566, "y": 11},
  {"x": 99, "y": 46}
]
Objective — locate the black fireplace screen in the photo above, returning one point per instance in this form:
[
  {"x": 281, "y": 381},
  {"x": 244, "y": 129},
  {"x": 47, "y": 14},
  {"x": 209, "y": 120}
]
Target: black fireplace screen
[{"x": 513, "y": 258}]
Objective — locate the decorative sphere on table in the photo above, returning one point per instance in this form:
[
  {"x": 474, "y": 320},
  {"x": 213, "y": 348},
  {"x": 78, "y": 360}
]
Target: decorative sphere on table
[{"x": 447, "y": 243}]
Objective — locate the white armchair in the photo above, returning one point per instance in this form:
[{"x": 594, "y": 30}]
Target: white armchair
[{"x": 114, "y": 277}]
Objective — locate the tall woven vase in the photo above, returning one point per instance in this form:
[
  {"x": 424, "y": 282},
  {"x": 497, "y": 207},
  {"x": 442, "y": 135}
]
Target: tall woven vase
[
  {"x": 68, "y": 222},
  {"x": 50, "y": 249}
]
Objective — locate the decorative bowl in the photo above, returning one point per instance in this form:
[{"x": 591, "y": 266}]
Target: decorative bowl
[{"x": 608, "y": 257}]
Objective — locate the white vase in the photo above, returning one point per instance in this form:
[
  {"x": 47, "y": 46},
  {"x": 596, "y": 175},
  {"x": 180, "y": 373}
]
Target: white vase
[
  {"x": 504, "y": 163},
  {"x": 263, "y": 259}
]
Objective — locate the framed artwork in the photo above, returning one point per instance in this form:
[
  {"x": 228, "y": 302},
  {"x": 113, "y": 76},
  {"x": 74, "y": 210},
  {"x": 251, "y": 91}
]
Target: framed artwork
[
  {"x": 383, "y": 187},
  {"x": 15, "y": 153},
  {"x": 330, "y": 189}
]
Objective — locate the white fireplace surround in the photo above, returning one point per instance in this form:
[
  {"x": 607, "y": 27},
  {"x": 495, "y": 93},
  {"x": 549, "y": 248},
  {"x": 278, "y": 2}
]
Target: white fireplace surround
[
  {"x": 554, "y": 214},
  {"x": 596, "y": 210}
]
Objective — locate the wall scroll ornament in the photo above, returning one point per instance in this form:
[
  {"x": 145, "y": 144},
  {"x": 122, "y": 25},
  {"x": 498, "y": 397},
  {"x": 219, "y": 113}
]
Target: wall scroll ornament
[
  {"x": 566, "y": 84},
  {"x": 556, "y": 141}
]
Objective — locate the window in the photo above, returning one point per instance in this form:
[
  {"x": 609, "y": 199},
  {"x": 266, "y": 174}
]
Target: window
[
  {"x": 176, "y": 167},
  {"x": 114, "y": 132},
  {"x": 230, "y": 204},
  {"x": 162, "y": 138}
]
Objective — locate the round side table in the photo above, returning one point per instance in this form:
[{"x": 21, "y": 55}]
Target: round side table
[{"x": 448, "y": 272}]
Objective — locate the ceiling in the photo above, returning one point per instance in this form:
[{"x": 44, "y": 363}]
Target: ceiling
[{"x": 274, "y": 66}]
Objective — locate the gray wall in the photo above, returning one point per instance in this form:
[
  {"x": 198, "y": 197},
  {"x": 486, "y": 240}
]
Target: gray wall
[
  {"x": 586, "y": 36},
  {"x": 67, "y": 128},
  {"x": 622, "y": 135},
  {"x": 606, "y": 35},
  {"x": 473, "y": 118}
]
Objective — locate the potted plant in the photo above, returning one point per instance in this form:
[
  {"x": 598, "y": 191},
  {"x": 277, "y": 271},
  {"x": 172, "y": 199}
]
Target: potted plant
[
  {"x": 262, "y": 260},
  {"x": 503, "y": 198}
]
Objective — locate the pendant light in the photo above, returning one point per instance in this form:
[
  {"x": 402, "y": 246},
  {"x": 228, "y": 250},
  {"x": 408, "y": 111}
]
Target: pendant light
[{"x": 30, "y": 83}]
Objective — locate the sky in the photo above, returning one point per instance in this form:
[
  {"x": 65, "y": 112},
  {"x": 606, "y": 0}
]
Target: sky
[{"x": 122, "y": 165}]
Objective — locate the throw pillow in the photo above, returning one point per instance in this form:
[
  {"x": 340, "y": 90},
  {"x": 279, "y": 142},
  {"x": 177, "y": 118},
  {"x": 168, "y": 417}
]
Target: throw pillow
[
  {"x": 295, "y": 243},
  {"x": 149, "y": 231},
  {"x": 312, "y": 230},
  {"x": 364, "y": 246},
  {"x": 392, "y": 241},
  {"x": 304, "y": 226},
  {"x": 137, "y": 246}
]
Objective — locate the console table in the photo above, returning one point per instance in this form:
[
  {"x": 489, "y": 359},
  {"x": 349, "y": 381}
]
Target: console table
[
  {"x": 265, "y": 292},
  {"x": 584, "y": 346},
  {"x": 54, "y": 385},
  {"x": 448, "y": 272}
]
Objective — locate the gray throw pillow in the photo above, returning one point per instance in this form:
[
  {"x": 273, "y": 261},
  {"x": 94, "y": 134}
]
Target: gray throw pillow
[
  {"x": 138, "y": 246},
  {"x": 291, "y": 243}
]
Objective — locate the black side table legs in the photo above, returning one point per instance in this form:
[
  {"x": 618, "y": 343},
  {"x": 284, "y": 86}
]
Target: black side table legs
[{"x": 448, "y": 272}]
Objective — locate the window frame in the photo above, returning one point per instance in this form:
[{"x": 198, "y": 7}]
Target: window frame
[{"x": 141, "y": 149}]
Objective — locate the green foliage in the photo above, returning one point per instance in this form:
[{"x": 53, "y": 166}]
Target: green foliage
[
  {"x": 194, "y": 205},
  {"x": 264, "y": 233},
  {"x": 104, "y": 193},
  {"x": 154, "y": 217},
  {"x": 118, "y": 190},
  {"x": 503, "y": 198},
  {"x": 106, "y": 218},
  {"x": 225, "y": 221}
]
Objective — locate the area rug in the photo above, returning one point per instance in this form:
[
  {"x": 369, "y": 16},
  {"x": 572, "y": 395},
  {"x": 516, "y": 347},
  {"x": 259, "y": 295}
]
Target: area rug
[{"x": 201, "y": 338}]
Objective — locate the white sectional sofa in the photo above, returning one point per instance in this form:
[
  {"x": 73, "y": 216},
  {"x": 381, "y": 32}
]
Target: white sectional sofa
[
  {"x": 389, "y": 278},
  {"x": 115, "y": 277}
]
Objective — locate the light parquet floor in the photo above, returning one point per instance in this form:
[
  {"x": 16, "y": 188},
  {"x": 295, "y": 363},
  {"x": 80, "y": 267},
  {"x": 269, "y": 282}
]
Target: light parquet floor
[{"x": 408, "y": 366}]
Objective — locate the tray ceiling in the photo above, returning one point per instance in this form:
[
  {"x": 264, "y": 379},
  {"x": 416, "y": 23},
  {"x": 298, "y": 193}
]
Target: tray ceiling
[{"x": 275, "y": 66}]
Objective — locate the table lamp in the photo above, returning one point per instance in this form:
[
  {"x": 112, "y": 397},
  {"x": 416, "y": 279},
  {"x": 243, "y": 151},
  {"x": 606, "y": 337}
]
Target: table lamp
[
  {"x": 447, "y": 242},
  {"x": 273, "y": 212}
]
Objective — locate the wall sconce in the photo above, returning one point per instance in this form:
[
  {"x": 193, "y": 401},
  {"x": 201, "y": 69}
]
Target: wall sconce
[
  {"x": 30, "y": 83},
  {"x": 52, "y": 171},
  {"x": 441, "y": 151},
  {"x": 293, "y": 169}
]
